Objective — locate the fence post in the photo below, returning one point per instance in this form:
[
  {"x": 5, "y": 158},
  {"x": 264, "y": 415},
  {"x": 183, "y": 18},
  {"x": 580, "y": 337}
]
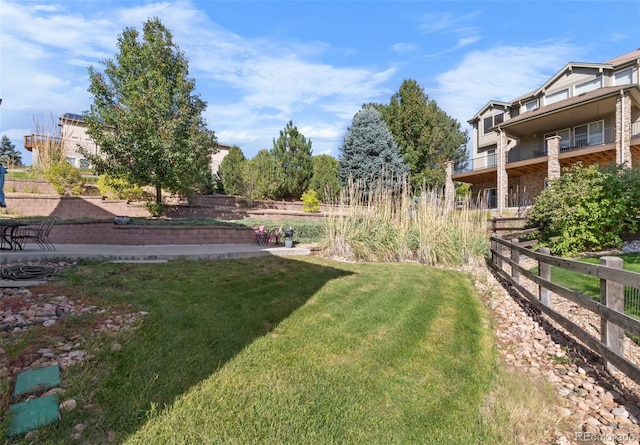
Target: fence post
[
  {"x": 515, "y": 258},
  {"x": 545, "y": 273},
  {"x": 612, "y": 296},
  {"x": 499, "y": 249}
]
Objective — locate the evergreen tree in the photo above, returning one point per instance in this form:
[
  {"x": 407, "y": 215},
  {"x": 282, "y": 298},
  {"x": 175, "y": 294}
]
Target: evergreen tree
[
  {"x": 426, "y": 135},
  {"x": 293, "y": 152},
  {"x": 146, "y": 118},
  {"x": 369, "y": 151},
  {"x": 9, "y": 156},
  {"x": 262, "y": 176},
  {"x": 230, "y": 171},
  {"x": 325, "y": 177}
]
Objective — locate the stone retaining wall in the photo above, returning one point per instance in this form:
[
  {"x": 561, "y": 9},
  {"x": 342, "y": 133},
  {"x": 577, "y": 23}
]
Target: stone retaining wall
[{"x": 107, "y": 232}]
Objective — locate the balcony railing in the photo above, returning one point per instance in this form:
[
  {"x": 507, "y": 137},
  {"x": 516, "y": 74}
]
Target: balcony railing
[
  {"x": 484, "y": 161},
  {"x": 32, "y": 140},
  {"x": 575, "y": 142},
  {"x": 635, "y": 130}
]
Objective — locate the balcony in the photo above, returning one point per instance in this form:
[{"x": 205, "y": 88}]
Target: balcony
[
  {"x": 33, "y": 140},
  {"x": 478, "y": 163},
  {"x": 575, "y": 142}
]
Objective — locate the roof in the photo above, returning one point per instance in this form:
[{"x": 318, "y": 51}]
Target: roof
[
  {"x": 611, "y": 64},
  {"x": 72, "y": 117},
  {"x": 566, "y": 103},
  {"x": 621, "y": 60}
]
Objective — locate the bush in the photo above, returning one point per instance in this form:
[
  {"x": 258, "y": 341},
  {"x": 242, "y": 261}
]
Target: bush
[
  {"x": 118, "y": 188},
  {"x": 310, "y": 202},
  {"x": 583, "y": 210},
  {"x": 65, "y": 178}
]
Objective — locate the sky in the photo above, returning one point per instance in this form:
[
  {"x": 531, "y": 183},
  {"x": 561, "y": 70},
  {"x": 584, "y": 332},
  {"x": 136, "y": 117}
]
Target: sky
[{"x": 260, "y": 64}]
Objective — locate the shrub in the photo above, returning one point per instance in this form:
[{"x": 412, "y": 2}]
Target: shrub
[
  {"x": 583, "y": 210},
  {"x": 154, "y": 208},
  {"x": 310, "y": 202},
  {"x": 118, "y": 188},
  {"x": 65, "y": 178}
]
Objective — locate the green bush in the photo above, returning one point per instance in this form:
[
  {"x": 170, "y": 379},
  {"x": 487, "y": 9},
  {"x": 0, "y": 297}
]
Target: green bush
[
  {"x": 65, "y": 178},
  {"x": 154, "y": 208},
  {"x": 118, "y": 188},
  {"x": 583, "y": 210},
  {"x": 310, "y": 202}
]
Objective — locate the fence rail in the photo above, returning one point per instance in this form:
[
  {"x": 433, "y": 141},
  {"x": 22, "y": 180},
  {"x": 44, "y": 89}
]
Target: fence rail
[{"x": 613, "y": 280}]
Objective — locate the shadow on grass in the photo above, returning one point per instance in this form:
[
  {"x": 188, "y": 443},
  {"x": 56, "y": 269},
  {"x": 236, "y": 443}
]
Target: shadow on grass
[{"x": 200, "y": 315}]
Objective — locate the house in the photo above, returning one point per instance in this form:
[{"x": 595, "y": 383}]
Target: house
[
  {"x": 73, "y": 136},
  {"x": 586, "y": 112}
]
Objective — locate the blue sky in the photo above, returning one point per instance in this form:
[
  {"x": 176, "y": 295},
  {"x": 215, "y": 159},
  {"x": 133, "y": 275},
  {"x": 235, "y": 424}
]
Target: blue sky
[{"x": 260, "y": 64}]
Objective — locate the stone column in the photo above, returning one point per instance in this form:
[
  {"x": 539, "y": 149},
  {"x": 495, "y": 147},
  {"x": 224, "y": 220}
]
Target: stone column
[
  {"x": 449, "y": 187},
  {"x": 553, "y": 163},
  {"x": 501, "y": 163},
  {"x": 623, "y": 130}
]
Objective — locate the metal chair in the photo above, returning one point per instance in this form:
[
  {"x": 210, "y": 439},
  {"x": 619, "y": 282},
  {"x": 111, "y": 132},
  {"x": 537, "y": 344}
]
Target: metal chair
[{"x": 38, "y": 235}]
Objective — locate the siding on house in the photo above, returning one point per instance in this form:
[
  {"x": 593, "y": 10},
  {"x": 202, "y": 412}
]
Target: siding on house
[{"x": 589, "y": 111}]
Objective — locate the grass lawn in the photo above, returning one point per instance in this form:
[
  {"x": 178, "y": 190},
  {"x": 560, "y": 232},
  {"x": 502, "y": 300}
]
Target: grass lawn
[
  {"x": 280, "y": 350},
  {"x": 590, "y": 286}
]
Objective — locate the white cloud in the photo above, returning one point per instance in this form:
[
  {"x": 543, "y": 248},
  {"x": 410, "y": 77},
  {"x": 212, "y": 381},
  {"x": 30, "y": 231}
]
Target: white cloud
[{"x": 500, "y": 73}]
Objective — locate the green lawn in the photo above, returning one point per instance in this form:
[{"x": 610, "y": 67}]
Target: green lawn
[
  {"x": 590, "y": 286},
  {"x": 279, "y": 350}
]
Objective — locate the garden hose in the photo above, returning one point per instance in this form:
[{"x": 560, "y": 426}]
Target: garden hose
[{"x": 18, "y": 273}]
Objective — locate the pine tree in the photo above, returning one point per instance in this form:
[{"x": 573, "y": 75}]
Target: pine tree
[
  {"x": 369, "y": 151},
  {"x": 9, "y": 156},
  {"x": 293, "y": 151},
  {"x": 426, "y": 135}
]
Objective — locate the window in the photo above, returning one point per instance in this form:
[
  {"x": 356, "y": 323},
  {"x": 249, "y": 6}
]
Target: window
[
  {"x": 623, "y": 77},
  {"x": 590, "y": 134},
  {"x": 556, "y": 97},
  {"x": 71, "y": 160},
  {"x": 492, "y": 121},
  {"x": 531, "y": 105},
  {"x": 588, "y": 86},
  {"x": 84, "y": 163},
  {"x": 491, "y": 157}
]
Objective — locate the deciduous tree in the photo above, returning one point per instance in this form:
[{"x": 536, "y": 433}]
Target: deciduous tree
[
  {"x": 145, "y": 116},
  {"x": 230, "y": 171},
  {"x": 325, "y": 177},
  {"x": 262, "y": 176}
]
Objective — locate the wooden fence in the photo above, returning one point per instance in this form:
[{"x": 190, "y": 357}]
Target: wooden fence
[{"x": 613, "y": 322}]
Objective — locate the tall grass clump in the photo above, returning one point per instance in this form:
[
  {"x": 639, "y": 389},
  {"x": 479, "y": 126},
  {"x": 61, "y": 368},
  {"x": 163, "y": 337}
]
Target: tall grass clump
[
  {"x": 49, "y": 144},
  {"x": 383, "y": 221}
]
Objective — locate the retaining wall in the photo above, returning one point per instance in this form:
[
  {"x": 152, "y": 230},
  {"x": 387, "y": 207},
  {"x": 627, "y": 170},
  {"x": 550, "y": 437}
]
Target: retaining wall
[{"x": 106, "y": 232}]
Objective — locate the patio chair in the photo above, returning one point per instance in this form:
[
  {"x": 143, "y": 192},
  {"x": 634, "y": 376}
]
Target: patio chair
[
  {"x": 274, "y": 236},
  {"x": 36, "y": 234},
  {"x": 261, "y": 235}
]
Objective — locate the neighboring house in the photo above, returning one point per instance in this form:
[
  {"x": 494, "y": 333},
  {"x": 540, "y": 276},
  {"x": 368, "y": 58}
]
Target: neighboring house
[
  {"x": 586, "y": 112},
  {"x": 73, "y": 135}
]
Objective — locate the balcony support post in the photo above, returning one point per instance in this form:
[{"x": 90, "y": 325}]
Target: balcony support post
[
  {"x": 623, "y": 129},
  {"x": 502, "y": 179},
  {"x": 553, "y": 163},
  {"x": 449, "y": 188}
]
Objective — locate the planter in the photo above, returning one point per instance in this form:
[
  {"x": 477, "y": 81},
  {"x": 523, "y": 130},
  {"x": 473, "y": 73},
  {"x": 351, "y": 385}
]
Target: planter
[{"x": 288, "y": 243}]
